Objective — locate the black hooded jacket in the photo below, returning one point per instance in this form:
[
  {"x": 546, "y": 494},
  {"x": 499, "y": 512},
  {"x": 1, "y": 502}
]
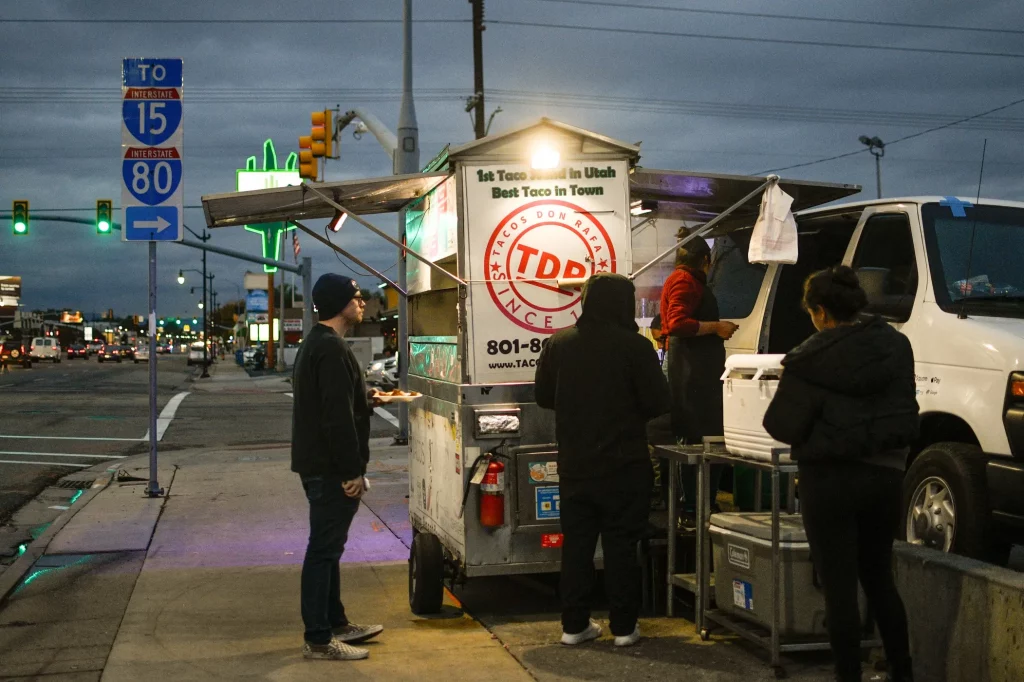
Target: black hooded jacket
[
  {"x": 847, "y": 393},
  {"x": 604, "y": 383}
]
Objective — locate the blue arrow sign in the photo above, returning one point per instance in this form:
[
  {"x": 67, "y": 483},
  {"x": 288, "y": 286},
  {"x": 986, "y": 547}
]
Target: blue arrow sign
[
  {"x": 151, "y": 181},
  {"x": 152, "y": 223}
]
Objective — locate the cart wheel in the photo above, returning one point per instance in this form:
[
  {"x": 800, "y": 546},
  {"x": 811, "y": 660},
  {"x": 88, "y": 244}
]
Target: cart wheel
[
  {"x": 780, "y": 672},
  {"x": 705, "y": 635},
  {"x": 426, "y": 574}
]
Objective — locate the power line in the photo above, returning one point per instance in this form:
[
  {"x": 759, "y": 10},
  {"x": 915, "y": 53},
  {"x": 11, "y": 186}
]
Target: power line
[
  {"x": 788, "y": 17},
  {"x": 898, "y": 140},
  {"x": 275, "y": 22},
  {"x": 747, "y": 39}
]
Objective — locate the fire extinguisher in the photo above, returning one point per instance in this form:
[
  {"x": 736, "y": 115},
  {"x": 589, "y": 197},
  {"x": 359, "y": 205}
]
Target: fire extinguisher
[{"x": 492, "y": 495}]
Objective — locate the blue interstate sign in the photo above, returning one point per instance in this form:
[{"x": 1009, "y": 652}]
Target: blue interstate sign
[
  {"x": 151, "y": 175},
  {"x": 151, "y": 116},
  {"x": 152, "y": 223},
  {"x": 141, "y": 72}
]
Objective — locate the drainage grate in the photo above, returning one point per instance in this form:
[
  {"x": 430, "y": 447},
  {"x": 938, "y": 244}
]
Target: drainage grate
[{"x": 74, "y": 484}]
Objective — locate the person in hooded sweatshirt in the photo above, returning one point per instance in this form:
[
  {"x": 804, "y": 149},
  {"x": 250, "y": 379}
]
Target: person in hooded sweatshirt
[
  {"x": 847, "y": 404},
  {"x": 603, "y": 380}
]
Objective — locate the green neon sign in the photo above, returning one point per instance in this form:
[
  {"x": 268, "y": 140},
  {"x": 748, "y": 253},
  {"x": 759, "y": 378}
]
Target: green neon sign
[{"x": 251, "y": 178}]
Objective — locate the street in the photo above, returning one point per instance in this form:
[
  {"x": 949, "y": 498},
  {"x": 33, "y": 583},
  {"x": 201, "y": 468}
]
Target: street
[{"x": 58, "y": 418}]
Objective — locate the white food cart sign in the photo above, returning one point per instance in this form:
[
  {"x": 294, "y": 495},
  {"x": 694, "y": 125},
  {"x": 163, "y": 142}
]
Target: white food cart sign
[{"x": 527, "y": 229}]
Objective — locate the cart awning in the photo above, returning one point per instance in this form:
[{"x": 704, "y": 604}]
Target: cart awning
[
  {"x": 700, "y": 197},
  {"x": 366, "y": 196}
]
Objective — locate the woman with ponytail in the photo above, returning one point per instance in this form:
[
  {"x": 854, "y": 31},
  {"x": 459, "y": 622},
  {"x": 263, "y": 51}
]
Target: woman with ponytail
[{"x": 847, "y": 404}]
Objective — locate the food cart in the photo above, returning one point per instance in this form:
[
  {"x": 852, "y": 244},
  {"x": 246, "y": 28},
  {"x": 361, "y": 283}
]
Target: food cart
[{"x": 501, "y": 234}]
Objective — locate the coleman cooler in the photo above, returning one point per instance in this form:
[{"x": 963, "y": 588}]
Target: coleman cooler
[
  {"x": 750, "y": 382},
  {"x": 742, "y": 547}
]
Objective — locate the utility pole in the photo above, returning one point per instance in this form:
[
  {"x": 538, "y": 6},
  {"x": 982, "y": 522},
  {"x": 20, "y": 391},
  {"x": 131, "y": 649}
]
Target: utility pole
[
  {"x": 478, "y": 67},
  {"x": 206, "y": 335}
]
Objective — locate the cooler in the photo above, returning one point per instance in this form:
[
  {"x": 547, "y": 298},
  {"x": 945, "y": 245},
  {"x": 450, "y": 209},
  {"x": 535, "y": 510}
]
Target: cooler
[
  {"x": 750, "y": 382},
  {"x": 742, "y": 551}
]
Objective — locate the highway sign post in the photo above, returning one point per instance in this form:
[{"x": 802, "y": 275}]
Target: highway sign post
[{"x": 152, "y": 188}]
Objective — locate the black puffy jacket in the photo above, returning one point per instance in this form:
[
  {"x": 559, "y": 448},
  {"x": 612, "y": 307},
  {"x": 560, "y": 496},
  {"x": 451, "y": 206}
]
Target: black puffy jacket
[
  {"x": 847, "y": 393},
  {"x": 603, "y": 381}
]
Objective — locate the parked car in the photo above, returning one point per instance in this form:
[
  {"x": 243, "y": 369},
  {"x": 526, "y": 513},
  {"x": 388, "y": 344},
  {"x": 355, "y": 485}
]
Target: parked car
[
  {"x": 195, "y": 354},
  {"x": 77, "y": 350},
  {"x": 13, "y": 353},
  {"x": 141, "y": 353},
  {"x": 45, "y": 348},
  {"x": 110, "y": 352},
  {"x": 383, "y": 372}
]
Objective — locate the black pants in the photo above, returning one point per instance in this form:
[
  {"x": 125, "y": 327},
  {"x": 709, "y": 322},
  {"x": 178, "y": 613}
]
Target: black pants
[
  {"x": 616, "y": 509},
  {"x": 330, "y": 515},
  {"x": 851, "y": 513}
]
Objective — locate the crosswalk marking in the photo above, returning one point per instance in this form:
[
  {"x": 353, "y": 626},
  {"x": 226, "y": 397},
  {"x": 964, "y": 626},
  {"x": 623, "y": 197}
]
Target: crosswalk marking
[
  {"x": 47, "y": 464},
  {"x": 58, "y": 454},
  {"x": 134, "y": 440}
]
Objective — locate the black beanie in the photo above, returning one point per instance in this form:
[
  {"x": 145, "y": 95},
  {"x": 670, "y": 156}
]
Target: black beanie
[{"x": 332, "y": 293}]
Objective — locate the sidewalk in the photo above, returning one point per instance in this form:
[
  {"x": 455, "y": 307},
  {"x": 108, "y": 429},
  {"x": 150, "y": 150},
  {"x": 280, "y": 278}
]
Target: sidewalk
[{"x": 204, "y": 585}]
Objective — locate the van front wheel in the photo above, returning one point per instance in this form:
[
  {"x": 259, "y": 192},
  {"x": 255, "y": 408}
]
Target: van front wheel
[{"x": 945, "y": 501}]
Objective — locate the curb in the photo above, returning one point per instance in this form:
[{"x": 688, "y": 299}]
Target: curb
[{"x": 11, "y": 578}]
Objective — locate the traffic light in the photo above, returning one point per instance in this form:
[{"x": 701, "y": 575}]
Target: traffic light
[
  {"x": 104, "y": 213},
  {"x": 307, "y": 164},
  {"x": 19, "y": 217},
  {"x": 322, "y": 133}
]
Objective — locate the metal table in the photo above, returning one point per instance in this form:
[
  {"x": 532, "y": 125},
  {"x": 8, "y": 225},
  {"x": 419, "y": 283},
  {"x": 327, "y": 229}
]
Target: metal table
[{"x": 677, "y": 454}]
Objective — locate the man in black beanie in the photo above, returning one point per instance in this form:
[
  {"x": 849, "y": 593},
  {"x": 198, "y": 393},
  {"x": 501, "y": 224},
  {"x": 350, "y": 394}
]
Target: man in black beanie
[{"x": 330, "y": 449}]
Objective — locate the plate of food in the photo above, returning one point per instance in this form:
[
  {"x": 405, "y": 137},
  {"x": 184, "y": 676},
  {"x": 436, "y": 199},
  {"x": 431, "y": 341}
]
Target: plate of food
[{"x": 397, "y": 396}]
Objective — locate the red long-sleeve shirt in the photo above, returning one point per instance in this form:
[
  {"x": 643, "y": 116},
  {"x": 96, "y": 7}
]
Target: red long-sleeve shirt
[{"x": 680, "y": 298}]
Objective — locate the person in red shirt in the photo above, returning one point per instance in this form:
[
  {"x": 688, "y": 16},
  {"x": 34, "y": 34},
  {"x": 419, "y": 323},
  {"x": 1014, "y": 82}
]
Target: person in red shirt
[{"x": 695, "y": 339}]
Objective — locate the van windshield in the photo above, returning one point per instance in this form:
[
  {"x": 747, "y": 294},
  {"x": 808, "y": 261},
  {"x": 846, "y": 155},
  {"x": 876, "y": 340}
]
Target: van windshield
[{"x": 976, "y": 258}]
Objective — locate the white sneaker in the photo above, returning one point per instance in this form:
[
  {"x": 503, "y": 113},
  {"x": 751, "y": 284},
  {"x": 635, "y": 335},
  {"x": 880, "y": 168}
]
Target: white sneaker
[
  {"x": 593, "y": 631},
  {"x": 334, "y": 651},
  {"x": 353, "y": 633},
  {"x": 629, "y": 640}
]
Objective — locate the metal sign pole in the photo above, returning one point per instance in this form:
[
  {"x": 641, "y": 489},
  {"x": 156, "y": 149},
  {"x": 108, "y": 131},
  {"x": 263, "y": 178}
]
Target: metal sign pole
[{"x": 153, "y": 489}]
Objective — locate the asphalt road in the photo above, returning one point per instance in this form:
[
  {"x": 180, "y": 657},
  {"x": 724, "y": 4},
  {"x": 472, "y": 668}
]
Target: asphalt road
[{"x": 58, "y": 418}]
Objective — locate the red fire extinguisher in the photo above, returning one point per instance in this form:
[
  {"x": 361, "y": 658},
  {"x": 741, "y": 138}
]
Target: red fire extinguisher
[{"x": 492, "y": 495}]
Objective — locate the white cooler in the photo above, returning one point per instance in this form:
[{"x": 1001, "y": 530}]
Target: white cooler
[{"x": 750, "y": 382}]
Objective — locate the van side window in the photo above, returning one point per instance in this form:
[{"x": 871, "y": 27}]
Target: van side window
[
  {"x": 734, "y": 280},
  {"x": 823, "y": 241},
  {"x": 886, "y": 264}
]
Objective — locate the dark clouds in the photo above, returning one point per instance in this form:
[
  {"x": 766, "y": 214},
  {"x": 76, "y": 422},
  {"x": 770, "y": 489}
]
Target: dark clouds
[{"x": 59, "y": 144}]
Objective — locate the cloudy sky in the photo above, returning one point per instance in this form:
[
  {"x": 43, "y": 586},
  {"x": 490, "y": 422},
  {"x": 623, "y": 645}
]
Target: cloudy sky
[{"x": 745, "y": 87}]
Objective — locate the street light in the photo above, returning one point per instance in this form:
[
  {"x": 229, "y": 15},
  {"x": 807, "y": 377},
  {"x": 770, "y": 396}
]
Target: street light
[
  {"x": 877, "y": 149},
  {"x": 201, "y": 305}
]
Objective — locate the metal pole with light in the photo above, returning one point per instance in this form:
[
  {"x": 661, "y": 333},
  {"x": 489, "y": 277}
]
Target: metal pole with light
[{"x": 877, "y": 149}]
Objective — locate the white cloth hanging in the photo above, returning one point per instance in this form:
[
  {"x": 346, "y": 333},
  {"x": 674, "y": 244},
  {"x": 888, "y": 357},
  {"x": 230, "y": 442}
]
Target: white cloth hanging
[{"x": 774, "y": 239}]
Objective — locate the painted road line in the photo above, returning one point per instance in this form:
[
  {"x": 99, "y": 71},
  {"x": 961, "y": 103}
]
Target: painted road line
[
  {"x": 70, "y": 438},
  {"x": 59, "y": 454},
  {"x": 384, "y": 414},
  {"x": 167, "y": 415},
  {"x": 44, "y": 464}
]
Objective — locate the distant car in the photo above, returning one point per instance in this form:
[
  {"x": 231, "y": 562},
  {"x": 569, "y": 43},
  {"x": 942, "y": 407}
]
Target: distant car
[
  {"x": 383, "y": 372},
  {"x": 141, "y": 353},
  {"x": 94, "y": 347},
  {"x": 13, "y": 353},
  {"x": 77, "y": 351},
  {"x": 127, "y": 352},
  {"x": 45, "y": 348},
  {"x": 165, "y": 348},
  {"x": 195, "y": 354},
  {"x": 110, "y": 352}
]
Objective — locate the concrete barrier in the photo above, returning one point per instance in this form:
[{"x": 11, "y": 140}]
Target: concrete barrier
[{"x": 966, "y": 617}]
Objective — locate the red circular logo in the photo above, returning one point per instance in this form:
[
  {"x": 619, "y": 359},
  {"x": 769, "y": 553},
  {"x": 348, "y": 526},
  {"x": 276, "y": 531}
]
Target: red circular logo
[{"x": 533, "y": 247}]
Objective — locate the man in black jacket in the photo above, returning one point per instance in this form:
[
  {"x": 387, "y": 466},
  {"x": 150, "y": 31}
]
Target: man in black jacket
[
  {"x": 330, "y": 449},
  {"x": 604, "y": 382}
]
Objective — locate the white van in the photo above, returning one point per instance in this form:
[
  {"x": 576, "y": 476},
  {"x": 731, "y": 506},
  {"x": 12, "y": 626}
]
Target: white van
[
  {"x": 950, "y": 276},
  {"x": 45, "y": 348}
]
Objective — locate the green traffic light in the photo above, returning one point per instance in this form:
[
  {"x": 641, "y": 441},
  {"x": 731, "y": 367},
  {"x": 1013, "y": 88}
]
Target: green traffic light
[
  {"x": 179, "y": 320},
  {"x": 20, "y": 227},
  {"x": 103, "y": 226}
]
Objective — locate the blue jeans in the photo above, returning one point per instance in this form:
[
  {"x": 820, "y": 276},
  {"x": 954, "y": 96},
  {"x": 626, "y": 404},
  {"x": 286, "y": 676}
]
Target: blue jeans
[{"x": 330, "y": 515}]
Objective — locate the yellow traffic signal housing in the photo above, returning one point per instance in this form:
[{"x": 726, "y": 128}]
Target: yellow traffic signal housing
[
  {"x": 307, "y": 164},
  {"x": 19, "y": 217},
  {"x": 104, "y": 216},
  {"x": 322, "y": 133}
]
